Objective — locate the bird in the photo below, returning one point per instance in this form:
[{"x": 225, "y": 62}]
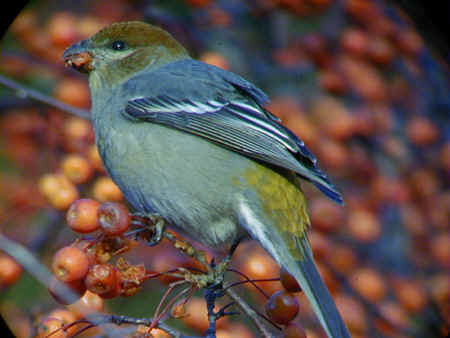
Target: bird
[{"x": 193, "y": 143}]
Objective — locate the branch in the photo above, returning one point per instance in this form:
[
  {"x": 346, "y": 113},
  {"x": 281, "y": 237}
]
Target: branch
[
  {"x": 249, "y": 312},
  {"x": 24, "y": 92},
  {"x": 38, "y": 271},
  {"x": 120, "y": 320}
]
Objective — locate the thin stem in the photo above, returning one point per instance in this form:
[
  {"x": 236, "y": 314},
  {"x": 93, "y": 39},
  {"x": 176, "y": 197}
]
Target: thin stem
[
  {"x": 248, "y": 310},
  {"x": 250, "y": 281},
  {"x": 24, "y": 92}
]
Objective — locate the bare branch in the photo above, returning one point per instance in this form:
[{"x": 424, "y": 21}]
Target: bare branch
[
  {"x": 247, "y": 309},
  {"x": 24, "y": 92}
]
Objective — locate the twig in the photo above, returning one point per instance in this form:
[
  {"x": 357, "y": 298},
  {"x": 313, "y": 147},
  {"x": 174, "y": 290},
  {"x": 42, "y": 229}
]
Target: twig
[
  {"x": 38, "y": 271},
  {"x": 25, "y": 92},
  {"x": 247, "y": 279},
  {"x": 247, "y": 309},
  {"x": 251, "y": 281}
]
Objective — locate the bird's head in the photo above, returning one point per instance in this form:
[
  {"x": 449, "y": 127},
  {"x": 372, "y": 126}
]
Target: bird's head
[{"x": 122, "y": 49}]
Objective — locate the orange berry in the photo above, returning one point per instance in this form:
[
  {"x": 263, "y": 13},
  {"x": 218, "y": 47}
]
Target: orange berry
[
  {"x": 259, "y": 265},
  {"x": 282, "y": 307},
  {"x": 352, "y": 312},
  {"x": 82, "y": 216},
  {"x": 95, "y": 159},
  {"x": 315, "y": 45},
  {"x": 364, "y": 79},
  {"x": 64, "y": 197},
  {"x": 343, "y": 259},
  {"x": 49, "y": 184},
  {"x": 62, "y": 29},
  {"x": 380, "y": 50},
  {"x": 10, "y": 271},
  {"x": 333, "y": 154},
  {"x": 67, "y": 317},
  {"x": 51, "y": 327},
  {"x": 157, "y": 333},
  {"x": 355, "y": 41},
  {"x": 74, "y": 92},
  {"x": 439, "y": 287},
  {"x": 411, "y": 294},
  {"x": 369, "y": 284},
  {"x": 421, "y": 131},
  {"x": 333, "y": 82},
  {"x": 77, "y": 128},
  {"x": 197, "y": 315},
  {"x": 105, "y": 190},
  {"x": 326, "y": 216},
  {"x": 440, "y": 249},
  {"x": 410, "y": 42},
  {"x": 58, "y": 190},
  {"x": 320, "y": 245},
  {"x": 303, "y": 128},
  {"x": 78, "y": 135},
  {"x": 364, "y": 226},
  {"x": 239, "y": 330},
  {"x": 76, "y": 168},
  {"x": 25, "y": 23},
  {"x": 394, "y": 315},
  {"x": 88, "y": 25},
  {"x": 215, "y": 59},
  {"x": 70, "y": 264},
  {"x": 333, "y": 117},
  {"x": 90, "y": 303},
  {"x": 424, "y": 183}
]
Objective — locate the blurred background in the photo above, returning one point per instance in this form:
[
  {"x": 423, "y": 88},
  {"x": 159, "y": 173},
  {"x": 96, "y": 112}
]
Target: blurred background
[{"x": 354, "y": 79}]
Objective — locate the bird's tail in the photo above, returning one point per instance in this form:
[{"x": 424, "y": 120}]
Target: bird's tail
[{"x": 318, "y": 294}]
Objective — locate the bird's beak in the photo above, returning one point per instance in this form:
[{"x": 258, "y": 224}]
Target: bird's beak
[{"x": 78, "y": 57}]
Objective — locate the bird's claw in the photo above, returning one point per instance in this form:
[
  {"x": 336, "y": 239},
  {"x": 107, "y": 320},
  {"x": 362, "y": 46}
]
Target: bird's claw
[
  {"x": 159, "y": 226},
  {"x": 153, "y": 225}
]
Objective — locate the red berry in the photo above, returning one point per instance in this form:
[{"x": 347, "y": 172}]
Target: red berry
[
  {"x": 282, "y": 307},
  {"x": 288, "y": 281},
  {"x": 114, "y": 218},
  {"x": 82, "y": 216},
  {"x": 10, "y": 271},
  {"x": 293, "y": 330},
  {"x": 101, "y": 279},
  {"x": 70, "y": 264}
]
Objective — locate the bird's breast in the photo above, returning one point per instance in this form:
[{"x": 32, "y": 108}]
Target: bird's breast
[{"x": 185, "y": 179}]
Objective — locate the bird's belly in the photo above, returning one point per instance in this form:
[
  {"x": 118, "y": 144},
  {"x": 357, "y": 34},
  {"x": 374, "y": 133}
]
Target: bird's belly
[{"x": 185, "y": 179}]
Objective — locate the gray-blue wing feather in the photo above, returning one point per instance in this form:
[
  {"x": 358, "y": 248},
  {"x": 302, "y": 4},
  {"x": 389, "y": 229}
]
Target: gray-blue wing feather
[{"x": 227, "y": 111}]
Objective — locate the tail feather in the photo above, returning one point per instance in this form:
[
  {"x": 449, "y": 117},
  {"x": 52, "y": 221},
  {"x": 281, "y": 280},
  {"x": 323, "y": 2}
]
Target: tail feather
[
  {"x": 318, "y": 295},
  {"x": 330, "y": 191}
]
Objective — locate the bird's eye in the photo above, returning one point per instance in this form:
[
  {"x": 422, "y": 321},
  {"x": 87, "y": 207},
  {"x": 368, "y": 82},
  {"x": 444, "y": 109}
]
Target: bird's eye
[{"x": 118, "y": 45}]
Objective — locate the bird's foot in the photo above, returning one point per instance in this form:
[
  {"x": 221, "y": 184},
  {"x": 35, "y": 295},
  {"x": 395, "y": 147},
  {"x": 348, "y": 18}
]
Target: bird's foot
[
  {"x": 214, "y": 275},
  {"x": 154, "y": 227}
]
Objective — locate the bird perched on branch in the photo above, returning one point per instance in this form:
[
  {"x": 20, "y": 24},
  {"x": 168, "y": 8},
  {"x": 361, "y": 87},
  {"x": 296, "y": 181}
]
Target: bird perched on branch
[{"x": 193, "y": 143}]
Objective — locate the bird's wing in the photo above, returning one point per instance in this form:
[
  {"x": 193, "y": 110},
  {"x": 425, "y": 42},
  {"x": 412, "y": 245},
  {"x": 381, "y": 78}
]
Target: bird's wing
[{"x": 235, "y": 121}]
